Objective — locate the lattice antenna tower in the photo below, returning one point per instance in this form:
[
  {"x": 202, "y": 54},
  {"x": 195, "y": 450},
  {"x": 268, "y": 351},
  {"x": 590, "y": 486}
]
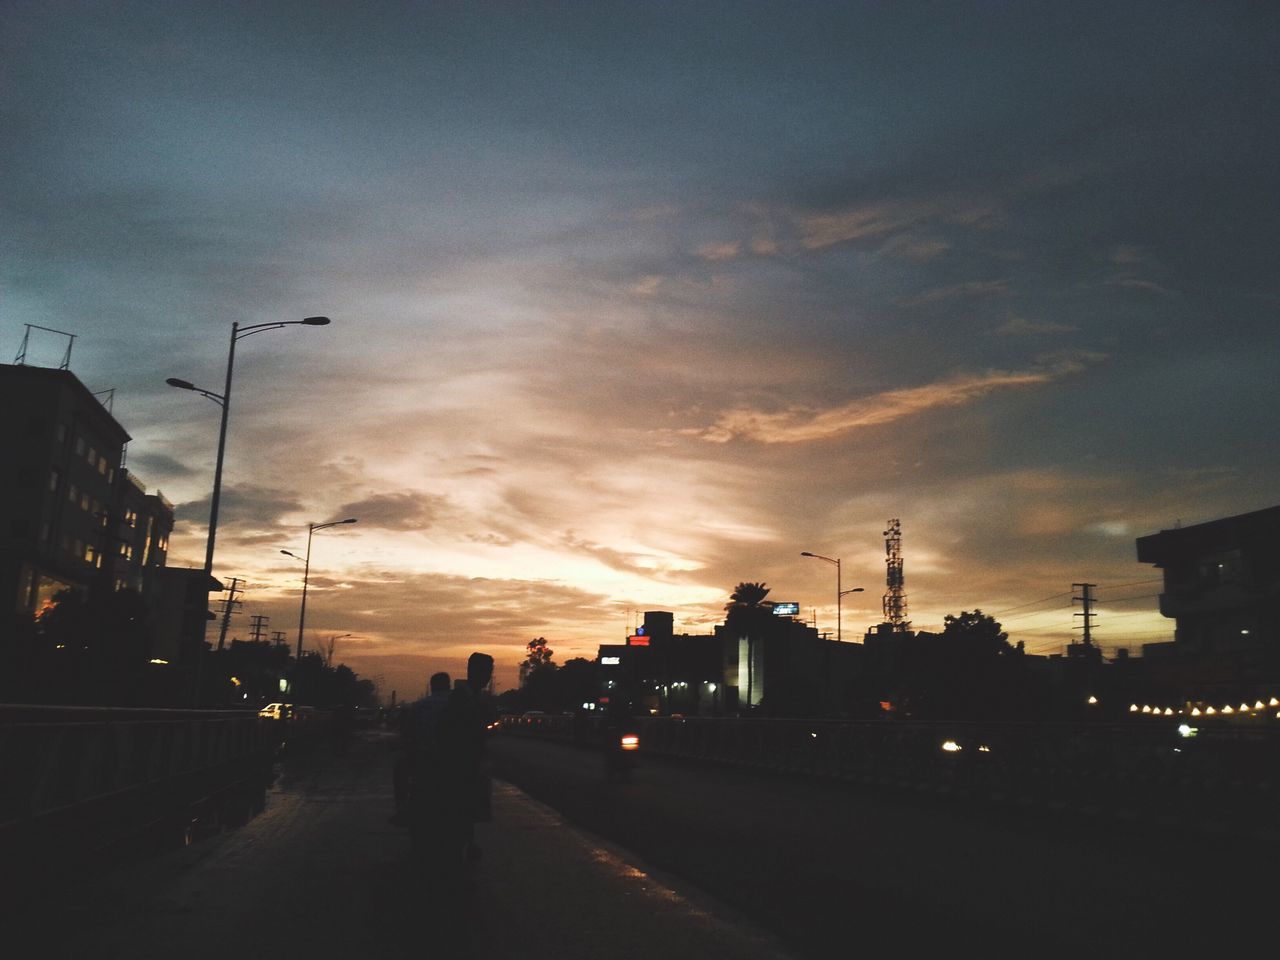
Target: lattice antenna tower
[{"x": 895, "y": 597}]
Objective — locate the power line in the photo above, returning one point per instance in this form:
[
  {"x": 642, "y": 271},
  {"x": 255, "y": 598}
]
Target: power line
[
  {"x": 1031, "y": 604},
  {"x": 1135, "y": 583},
  {"x": 1145, "y": 596}
]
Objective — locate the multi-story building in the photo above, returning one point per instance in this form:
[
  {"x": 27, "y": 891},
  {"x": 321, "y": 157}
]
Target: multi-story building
[
  {"x": 72, "y": 516},
  {"x": 1222, "y": 590},
  {"x": 59, "y": 497}
]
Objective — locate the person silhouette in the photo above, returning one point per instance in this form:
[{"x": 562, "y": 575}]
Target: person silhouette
[
  {"x": 463, "y": 731},
  {"x": 413, "y": 767}
]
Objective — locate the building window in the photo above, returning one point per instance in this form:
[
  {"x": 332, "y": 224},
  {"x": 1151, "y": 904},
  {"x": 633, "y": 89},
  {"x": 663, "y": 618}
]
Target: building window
[
  {"x": 55, "y": 477},
  {"x": 61, "y": 432},
  {"x": 102, "y": 466},
  {"x": 92, "y": 456},
  {"x": 79, "y": 446},
  {"x": 131, "y": 517},
  {"x": 73, "y": 494},
  {"x": 1226, "y": 567}
]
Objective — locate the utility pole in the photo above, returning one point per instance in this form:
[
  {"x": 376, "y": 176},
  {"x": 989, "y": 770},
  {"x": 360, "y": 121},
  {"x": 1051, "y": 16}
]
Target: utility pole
[
  {"x": 228, "y": 602},
  {"x": 1086, "y": 600},
  {"x": 277, "y": 637},
  {"x": 259, "y": 626}
]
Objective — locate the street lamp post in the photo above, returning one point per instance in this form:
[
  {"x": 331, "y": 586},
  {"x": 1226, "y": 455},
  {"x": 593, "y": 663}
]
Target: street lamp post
[
  {"x": 840, "y": 594},
  {"x": 306, "y": 572},
  {"x": 224, "y": 401}
]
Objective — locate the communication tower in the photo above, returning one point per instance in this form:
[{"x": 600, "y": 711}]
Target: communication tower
[{"x": 895, "y": 597}]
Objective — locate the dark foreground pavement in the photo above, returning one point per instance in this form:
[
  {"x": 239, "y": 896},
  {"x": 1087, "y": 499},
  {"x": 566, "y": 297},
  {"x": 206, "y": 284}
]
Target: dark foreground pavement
[{"x": 321, "y": 874}]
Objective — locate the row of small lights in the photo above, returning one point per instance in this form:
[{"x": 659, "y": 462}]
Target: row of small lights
[{"x": 1227, "y": 710}]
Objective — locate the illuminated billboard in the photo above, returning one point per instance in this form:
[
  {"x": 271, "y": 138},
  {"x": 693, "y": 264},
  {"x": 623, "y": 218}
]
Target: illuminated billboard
[{"x": 786, "y": 608}]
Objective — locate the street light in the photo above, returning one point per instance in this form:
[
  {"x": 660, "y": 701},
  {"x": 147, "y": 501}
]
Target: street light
[
  {"x": 333, "y": 642},
  {"x": 840, "y": 594},
  {"x": 224, "y": 401},
  {"x": 306, "y": 572}
]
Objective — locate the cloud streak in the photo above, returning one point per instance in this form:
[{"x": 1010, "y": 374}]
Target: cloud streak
[{"x": 805, "y": 425}]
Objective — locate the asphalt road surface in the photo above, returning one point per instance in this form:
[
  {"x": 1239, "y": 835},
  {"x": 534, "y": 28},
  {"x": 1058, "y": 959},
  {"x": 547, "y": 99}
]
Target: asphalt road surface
[
  {"x": 321, "y": 874},
  {"x": 834, "y": 868},
  {"x": 681, "y": 862}
]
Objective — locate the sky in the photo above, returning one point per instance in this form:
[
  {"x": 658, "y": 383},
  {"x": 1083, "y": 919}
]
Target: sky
[{"x": 633, "y": 302}]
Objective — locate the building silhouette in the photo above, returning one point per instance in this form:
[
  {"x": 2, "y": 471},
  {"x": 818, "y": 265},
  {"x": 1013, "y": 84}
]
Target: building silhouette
[
  {"x": 1222, "y": 590},
  {"x": 73, "y": 518}
]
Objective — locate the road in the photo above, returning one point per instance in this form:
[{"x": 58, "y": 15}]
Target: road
[
  {"x": 682, "y": 862},
  {"x": 825, "y": 864},
  {"x": 321, "y": 874}
]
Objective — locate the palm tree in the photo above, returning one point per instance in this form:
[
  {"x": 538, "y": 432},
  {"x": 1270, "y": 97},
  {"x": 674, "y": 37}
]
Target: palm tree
[{"x": 748, "y": 596}]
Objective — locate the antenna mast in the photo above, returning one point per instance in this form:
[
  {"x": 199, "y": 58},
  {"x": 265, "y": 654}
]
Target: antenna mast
[{"x": 895, "y": 597}]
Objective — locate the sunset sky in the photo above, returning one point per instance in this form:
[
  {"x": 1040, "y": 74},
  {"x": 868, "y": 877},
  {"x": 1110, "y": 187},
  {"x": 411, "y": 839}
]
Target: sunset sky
[{"x": 635, "y": 301}]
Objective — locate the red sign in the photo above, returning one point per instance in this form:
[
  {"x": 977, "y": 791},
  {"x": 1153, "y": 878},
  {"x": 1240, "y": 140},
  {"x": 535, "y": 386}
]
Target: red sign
[{"x": 637, "y": 640}]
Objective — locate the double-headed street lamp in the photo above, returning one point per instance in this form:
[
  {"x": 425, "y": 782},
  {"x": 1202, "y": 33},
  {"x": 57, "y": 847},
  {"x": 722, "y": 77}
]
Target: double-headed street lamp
[
  {"x": 840, "y": 594},
  {"x": 224, "y": 401},
  {"x": 306, "y": 573}
]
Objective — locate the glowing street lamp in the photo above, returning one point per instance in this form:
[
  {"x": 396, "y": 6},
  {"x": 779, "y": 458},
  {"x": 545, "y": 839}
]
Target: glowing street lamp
[
  {"x": 306, "y": 573},
  {"x": 224, "y": 401},
  {"x": 840, "y": 594}
]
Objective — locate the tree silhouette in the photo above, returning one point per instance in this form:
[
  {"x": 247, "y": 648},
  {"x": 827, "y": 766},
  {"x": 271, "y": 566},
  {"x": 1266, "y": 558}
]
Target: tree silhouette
[
  {"x": 539, "y": 654},
  {"x": 976, "y": 634},
  {"x": 747, "y": 595}
]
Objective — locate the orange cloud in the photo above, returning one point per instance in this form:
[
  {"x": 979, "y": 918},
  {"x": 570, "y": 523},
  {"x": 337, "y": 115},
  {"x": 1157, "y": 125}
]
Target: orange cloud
[{"x": 799, "y": 425}]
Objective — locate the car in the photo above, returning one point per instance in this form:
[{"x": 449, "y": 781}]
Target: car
[{"x": 276, "y": 711}]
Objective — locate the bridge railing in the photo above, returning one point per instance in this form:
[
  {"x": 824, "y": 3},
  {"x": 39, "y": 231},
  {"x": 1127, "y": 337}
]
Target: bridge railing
[
  {"x": 1138, "y": 770},
  {"x": 83, "y": 778}
]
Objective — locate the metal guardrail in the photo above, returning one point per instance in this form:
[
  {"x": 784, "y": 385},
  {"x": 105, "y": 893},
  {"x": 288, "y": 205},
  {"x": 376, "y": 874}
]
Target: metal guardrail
[
  {"x": 1226, "y": 776},
  {"x": 83, "y": 778}
]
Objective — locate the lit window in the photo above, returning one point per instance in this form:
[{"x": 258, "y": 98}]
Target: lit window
[
  {"x": 73, "y": 494},
  {"x": 92, "y": 456},
  {"x": 54, "y": 476}
]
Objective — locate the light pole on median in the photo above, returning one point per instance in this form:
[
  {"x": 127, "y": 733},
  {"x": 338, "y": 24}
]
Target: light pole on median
[
  {"x": 306, "y": 573},
  {"x": 840, "y": 594}
]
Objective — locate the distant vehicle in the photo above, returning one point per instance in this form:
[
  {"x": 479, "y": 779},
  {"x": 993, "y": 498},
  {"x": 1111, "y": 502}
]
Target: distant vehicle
[
  {"x": 621, "y": 748},
  {"x": 276, "y": 711}
]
